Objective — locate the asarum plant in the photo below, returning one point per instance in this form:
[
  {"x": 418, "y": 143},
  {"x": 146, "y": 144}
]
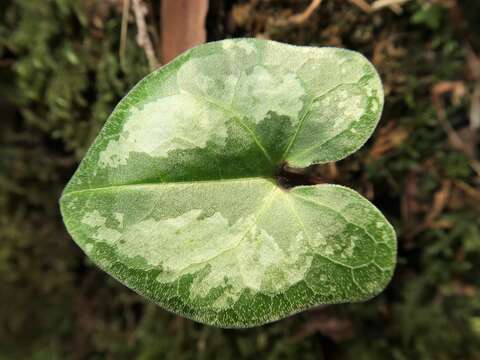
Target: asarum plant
[{"x": 179, "y": 198}]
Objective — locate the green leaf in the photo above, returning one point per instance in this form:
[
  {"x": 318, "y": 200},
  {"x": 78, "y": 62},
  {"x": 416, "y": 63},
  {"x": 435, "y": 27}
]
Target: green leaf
[{"x": 177, "y": 198}]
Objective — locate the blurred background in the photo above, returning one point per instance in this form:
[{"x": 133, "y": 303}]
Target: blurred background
[{"x": 64, "y": 64}]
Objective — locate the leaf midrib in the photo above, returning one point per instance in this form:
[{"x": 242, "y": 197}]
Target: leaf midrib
[
  {"x": 237, "y": 117},
  {"x": 173, "y": 183}
]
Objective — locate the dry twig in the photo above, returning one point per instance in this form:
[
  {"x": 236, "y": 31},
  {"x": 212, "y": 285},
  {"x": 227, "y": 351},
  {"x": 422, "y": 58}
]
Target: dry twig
[
  {"x": 123, "y": 33},
  {"x": 297, "y": 19},
  {"x": 475, "y": 109},
  {"x": 394, "y": 5},
  {"x": 300, "y": 18},
  {"x": 363, "y": 5},
  {"x": 143, "y": 40}
]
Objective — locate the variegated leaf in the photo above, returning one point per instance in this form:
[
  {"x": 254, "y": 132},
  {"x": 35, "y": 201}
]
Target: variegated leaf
[{"x": 177, "y": 197}]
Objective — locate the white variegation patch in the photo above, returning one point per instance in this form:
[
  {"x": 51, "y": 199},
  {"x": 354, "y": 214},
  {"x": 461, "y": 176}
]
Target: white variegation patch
[
  {"x": 238, "y": 256},
  {"x": 94, "y": 219},
  {"x": 264, "y": 83},
  {"x": 212, "y": 78},
  {"x": 119, "y": 218},
  {"x": 176, "y": 122}
]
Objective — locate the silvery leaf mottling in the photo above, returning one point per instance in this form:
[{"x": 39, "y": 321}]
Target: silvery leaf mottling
[{"x": 177, "y": 197}]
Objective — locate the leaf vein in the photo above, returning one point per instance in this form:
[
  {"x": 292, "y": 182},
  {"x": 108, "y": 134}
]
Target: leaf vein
[
  {"x": 238, "y": 118},
  {"x": 341, "y": 215}
]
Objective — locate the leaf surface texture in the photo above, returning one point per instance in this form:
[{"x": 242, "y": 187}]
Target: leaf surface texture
[{"x": 177, "y": 197}]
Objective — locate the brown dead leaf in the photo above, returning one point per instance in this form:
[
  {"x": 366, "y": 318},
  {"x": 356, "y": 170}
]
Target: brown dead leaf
[
  {"x": 242, "y": 14},
  {"x": 335, "y": 328},
  {"x": 440, "y": 200},
  {"x": 470, "y": 191},
  {"x": 473, "y": 63},
  {"x": 386, "y": 50},
  {"x": 465, "y": 140},
  {"x": 389, "y": 137},
  {"x": 410, "y": 206},
  {"x": 459, "y": 288},
  {"x": 442, "y": 224},
  {"x": 457, "y": 88}
]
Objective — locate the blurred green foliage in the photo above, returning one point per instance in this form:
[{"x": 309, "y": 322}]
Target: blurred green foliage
[{"x": 60, "y": 76}]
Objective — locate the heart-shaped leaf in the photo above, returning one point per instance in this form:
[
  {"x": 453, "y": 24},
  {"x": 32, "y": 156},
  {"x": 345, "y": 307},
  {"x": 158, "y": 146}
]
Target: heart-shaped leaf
[{"x": 177, "y": 198}]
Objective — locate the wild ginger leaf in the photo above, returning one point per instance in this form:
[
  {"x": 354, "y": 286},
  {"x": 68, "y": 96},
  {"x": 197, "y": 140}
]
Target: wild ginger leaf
[{"x": 177, "y": 197}]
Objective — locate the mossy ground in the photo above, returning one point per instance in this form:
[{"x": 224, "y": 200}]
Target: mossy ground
[{"x": 60, "y": 77}]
